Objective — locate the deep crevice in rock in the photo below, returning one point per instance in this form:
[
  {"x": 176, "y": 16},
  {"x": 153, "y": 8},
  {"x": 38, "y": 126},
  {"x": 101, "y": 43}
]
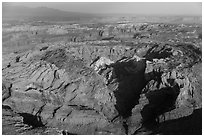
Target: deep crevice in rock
[
  {"x": 31, "y": 120},
  {"x": 129, "y": 89},
  {"x": 131, "y": 85}
]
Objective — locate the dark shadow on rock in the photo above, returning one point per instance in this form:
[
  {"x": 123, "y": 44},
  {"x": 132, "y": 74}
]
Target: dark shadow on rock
[
  {"x": 189, "y": 125},
  {"x": 107, "y": 38},
  {"x": 65, "y": 132},
  {"x": 6, "y": 107},
  {"x": 131, "y": 78},
  {"x": 160, "y": 101},
  {"x": 43, "y": 48},
  {"x": 130, "y": 87},
  {"x": 31, "y": 120},
  {"x": 159, "y": 52}
]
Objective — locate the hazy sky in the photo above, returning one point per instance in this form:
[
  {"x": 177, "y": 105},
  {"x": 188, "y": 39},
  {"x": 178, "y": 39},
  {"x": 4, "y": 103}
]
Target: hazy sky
[{"x": 149, "y": 8}]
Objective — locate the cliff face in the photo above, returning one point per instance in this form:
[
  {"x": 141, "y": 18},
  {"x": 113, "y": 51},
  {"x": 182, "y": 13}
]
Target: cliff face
[{"x": 92, "y": 88}]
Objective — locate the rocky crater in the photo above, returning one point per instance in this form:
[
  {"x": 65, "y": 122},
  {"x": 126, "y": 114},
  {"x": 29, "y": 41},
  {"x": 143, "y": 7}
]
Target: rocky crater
[{"x": 91, "y": 88}]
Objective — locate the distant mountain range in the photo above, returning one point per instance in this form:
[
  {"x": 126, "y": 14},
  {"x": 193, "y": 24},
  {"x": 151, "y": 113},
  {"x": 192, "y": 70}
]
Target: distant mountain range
[
  {"x": 41, "y": 13},
  {"x": 49, "y": 14}
]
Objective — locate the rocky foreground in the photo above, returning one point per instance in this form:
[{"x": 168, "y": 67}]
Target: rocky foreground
[{"x": 102, "y": 88}]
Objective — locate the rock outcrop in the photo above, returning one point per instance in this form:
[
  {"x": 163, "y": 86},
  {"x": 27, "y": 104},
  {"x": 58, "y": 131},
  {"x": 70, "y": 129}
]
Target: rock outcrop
[
  {"x": 98, "y": 89},
  {"x": 61, "y": 92}
]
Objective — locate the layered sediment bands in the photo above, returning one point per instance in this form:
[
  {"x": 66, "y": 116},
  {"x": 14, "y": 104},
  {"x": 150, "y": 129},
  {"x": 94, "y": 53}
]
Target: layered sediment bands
[{"x": 83, "y": 88}]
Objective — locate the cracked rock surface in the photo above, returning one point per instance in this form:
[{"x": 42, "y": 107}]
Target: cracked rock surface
[{"x": 102, "y": 87}]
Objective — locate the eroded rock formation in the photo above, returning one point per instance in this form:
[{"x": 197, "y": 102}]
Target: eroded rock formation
[{"x": 99, "y": 89}]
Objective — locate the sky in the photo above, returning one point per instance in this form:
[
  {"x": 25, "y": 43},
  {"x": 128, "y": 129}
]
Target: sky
[{"x": 147, "y": 8}]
